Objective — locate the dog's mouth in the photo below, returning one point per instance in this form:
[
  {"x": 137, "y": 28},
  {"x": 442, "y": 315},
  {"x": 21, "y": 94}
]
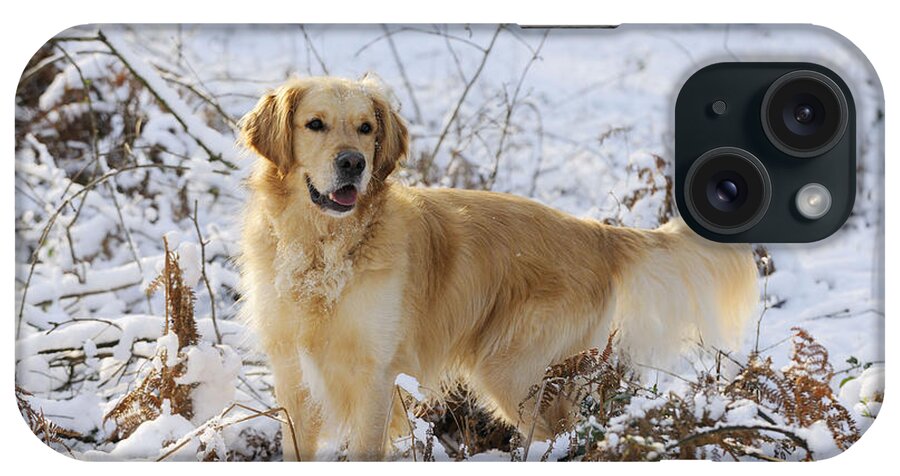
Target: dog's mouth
[{"x": 341, "y": 199}]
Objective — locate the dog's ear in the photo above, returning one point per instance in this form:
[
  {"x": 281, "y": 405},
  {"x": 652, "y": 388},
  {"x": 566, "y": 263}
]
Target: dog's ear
[
  {"x": 391, "y": 139},
  {"x": 269, "y": 130}
]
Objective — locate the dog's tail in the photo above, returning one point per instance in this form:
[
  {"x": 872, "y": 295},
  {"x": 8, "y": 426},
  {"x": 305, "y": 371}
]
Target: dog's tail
[{"x": 683, "y": 291}]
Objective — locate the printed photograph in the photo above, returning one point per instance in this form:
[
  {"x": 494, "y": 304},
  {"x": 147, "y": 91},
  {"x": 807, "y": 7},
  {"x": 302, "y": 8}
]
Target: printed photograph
[{"x": 420, "y": 243}]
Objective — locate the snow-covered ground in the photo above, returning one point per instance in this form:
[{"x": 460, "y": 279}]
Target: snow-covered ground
[{"x": 586, "y": 109}]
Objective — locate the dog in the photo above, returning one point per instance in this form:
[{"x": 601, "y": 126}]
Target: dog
[{"x": 350, "y": 278}]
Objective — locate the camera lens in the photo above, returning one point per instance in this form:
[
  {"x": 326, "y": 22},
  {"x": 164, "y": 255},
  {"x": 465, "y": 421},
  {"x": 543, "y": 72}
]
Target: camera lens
[
  {"x": 727, "y": 190},
  {"x": 804, "y": 113}
]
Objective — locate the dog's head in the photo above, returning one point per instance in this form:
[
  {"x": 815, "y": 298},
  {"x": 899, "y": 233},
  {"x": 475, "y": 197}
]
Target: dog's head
[{"x": 340, "y": 137}]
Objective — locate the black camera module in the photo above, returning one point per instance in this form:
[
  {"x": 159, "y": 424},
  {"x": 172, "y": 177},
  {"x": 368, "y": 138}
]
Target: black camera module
[
  {"x": 727, "y": 190},
  {"x": 804, "y": 113},
  {"x": 765, "y": 152}
]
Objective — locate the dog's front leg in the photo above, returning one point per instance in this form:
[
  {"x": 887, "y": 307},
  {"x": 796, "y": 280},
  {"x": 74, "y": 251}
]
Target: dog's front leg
[
  {"x": 293, "y": 395},
  {"x": 369, "y": 418}
]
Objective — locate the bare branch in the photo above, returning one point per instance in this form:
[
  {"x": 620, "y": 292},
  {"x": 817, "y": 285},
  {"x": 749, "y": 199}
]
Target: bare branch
[
  {"x": 465, "y": 93},
  {"x": 212, "y": 297},
  {"x": 510, "y": 109},
  {"x": 739, "y": 428},
  {"x": 213, "y": 156},
  {"x": 312, "y": 48},
  {"x": 50, "y": 222},
  {"x": 406, "y": 83}
]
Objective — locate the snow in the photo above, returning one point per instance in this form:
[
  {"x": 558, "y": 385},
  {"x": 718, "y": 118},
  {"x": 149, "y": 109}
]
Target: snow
[
  {"x": 864, "y": 394},
  {"x": 189, "y": 259},
  {"x": 818, "y": 438},
  {"x": 577, "y": 144},
  {"x": 146, "y": 441},
  {"x": 169, "y": 343},
  {"x": 214, "y": 369},
  {"x": 216, "y": 141},
  {"x": 411, "y": 385}
]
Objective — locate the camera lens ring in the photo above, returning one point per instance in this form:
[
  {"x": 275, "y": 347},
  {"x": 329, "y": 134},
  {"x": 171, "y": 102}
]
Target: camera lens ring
[
  {"x": 837, "y": 98},
  {"x": 752, "y": 170}
]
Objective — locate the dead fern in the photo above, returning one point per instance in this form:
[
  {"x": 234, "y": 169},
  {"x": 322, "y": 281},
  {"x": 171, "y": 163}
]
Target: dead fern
[
  {"x": 802, "y": 393},
  {"x": 581, "y": 382},
  {"x": 145, "y": 401},
  {"x": 675, "y": 429},
  {"x": 649, "y": 185},
  {"x": 687, "y": 425},
  {"x": 48, "y": 431},
  {"x": 179, "y": 300}
]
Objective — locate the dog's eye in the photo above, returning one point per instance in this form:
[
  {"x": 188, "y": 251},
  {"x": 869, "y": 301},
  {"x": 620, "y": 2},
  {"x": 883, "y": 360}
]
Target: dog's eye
[
  {"x": 365, "y": 128},
  {"x": 315, "y": 125}
]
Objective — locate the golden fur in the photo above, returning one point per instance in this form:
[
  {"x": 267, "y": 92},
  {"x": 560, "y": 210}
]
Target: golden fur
[{"x": 484, "y": 287}]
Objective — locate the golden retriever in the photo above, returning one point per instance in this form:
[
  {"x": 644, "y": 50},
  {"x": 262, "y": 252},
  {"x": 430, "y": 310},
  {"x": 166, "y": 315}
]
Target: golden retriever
[{"x": 350, "y": 279}]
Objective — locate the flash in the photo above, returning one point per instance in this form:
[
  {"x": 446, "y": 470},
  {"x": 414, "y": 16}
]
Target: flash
[{"x": 813, "y": 201}]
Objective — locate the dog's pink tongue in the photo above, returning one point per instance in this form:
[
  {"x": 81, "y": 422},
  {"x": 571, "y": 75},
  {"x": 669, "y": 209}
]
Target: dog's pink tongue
[{"x": 345, "y": 195}]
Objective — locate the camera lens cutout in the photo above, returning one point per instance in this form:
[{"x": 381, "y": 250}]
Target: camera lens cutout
[
  {"x": 727, "y": 190},
  {"x": 804, "y": 113}
]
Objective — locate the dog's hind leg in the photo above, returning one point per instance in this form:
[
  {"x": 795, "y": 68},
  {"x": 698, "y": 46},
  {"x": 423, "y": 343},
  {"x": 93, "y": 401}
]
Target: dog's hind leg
[
  {"x": 503, "y": 382},
  {"x": 506, "y": 376}
]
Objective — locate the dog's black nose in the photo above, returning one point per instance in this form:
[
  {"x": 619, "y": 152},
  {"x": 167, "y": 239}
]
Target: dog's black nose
[{"x": 350, "y": 162}]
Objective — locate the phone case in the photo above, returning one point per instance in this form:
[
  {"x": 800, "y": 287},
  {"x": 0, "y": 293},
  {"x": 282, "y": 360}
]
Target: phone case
[{"x": 188, "y": 287}]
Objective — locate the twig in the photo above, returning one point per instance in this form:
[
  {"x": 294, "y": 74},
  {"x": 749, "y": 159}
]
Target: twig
[
  {"x": 510, "y": 108},
  {"x": 100, "y": 345},
  {"x": 763, "y": 313},
  {"x": 92, "y": 115},
  {"x": 456, "y": 61},
  {"x": 268, "y": 414},
  {"x": 213, "y": 156},
  {"x": 27, "y": 75},
  {"x": 534, "y": 417},
  {"x": 128, "y": 237},
  {"x": 735, "y": 428},
  {"x": 776, "y": 344},
  {"x": 46, "y": 231},
  {"x": 203, "y": 97},
  {"x": 465, "y": 93},
  {"x": 253, "y": 393},
  {"x": 419, "y": 30},
  {"x": 860, "y": 365},
  {"x": 312, "y": 48},
  {"x": 167, "y": 284},
  {"x": 57, "y": 325},
  {"x": 216, "y": 424},
  {"x": 212, "y": 297},
  {"x": 406, "y": 84},
  {"x": 95, "y": 150},
  {"x": 412, "y": 433},
  {"x": 91, "y": 292},
  {"x": 74, "y": 38},
  {"x": 540, "y": 150}
]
